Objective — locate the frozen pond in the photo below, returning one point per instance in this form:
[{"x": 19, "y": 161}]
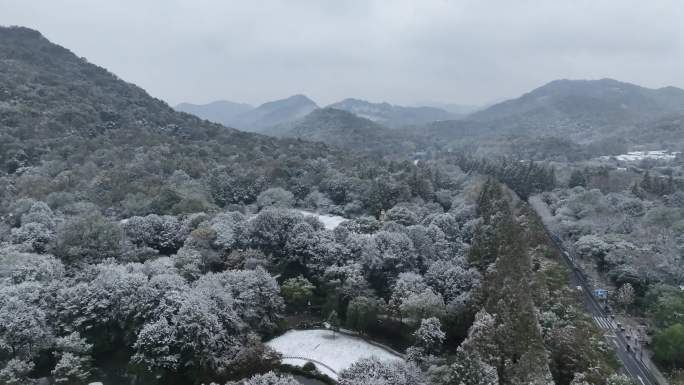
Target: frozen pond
[{"x": 336, "y": 352}]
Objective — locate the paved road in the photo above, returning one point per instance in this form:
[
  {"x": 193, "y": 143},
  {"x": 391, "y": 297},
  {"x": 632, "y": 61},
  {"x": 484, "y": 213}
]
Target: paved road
[{"x": 632, "y": 365}]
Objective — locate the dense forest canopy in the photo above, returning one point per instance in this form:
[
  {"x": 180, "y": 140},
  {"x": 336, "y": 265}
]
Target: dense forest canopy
[{"x": 139, "y": 244}]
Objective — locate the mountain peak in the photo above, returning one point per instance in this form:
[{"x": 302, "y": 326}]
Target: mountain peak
[
  {"x": 584, "y": 86},
  {"x": 21, "y": 32},
  {"x": 300, "y": 98},
  {"x": 276, "y": 112},
  {"x": 297, "y": 99}
]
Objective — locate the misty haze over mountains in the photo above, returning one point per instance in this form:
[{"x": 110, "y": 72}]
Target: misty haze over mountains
[
  {"x": 286, "y": 110},
  {"x": 583, "y": 111}
]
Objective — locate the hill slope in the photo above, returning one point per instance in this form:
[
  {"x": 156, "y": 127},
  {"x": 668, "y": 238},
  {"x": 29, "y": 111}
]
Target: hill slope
[
  {"x": 274, "y": 113},
  {"x": 570, "y": 119},
  {"x": 345, "y": 130},
  {"x": 585, "y": 103},
  {"x": 392, "y": 115},
  {"x": 71, "y": 128},
  {"x": 46, "y": 90}
]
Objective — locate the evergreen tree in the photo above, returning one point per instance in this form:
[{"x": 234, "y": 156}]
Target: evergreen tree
[
  {"x": 334, "y": 322},
  {"x": 577, "y": 178}
]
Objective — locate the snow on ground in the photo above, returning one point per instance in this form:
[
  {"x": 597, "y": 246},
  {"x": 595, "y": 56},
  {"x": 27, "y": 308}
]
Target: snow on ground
[
  {"x": 338, "y": 351},
  {"x": 634, "y": 156},
  {"x": 329, "y": 221}
]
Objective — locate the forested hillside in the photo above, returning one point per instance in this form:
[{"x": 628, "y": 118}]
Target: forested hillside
[
  {"x": 623, "y": 226},
  {"x": 570, "y": 120},
  {"x": 140, "y": 245}
]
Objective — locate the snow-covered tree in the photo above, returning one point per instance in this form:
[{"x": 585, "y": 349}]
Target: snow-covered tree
[
  {"x": 190, "y": 263},
  {"x": 333, "y": 321},
  {"x": 480, "y": 338},
  {"x": 230, "y": 229},
  {"x": 455, "y": 281},
  {"x": 303, "y": 243},
  {"x": 71, "y": 369},
  {"x": 362, "y": 314},
  {"x": 23, "y": 329},
  {"x": 316, "y": 200},
  {"x": 386, "y": 255},
  {"x": 620, "y": 379},
  {"x": 202, "y": 240},
  {"x": 16, "y": 372},
  {"x": 20, "y": 267},
  {"x": 421, "y": 305},
  {"x": 625, "y": 294},
  {"x": 422, "y": 243},
  {"x": 270, "y": 229},
  {"x": 447, "y": 223},
  {"x": 407, "y": 284},
  {"x": 111, "y": 293},
  {"x": 255, "y": 293},
  {"x": 89, "y": 236},
  {"x": 39, "y": 212},
  {"x": 35, "y": 236},
  {"x": 429, "y": 335},
  {"x": 297, "y": 291},
  {"x": 362, "y": 225},
  {"x": 579, "y": 379},
  {"x": 466, "y": 369},
  {"x": 592, "y": 246},
  {"x": 164, "y": 233},
  {"x": 345, "y": 282},
  {"x": 402, "y": 215},
  {"x": 275, "y": 197},
  {"x": 200, "y": 335},
  {"x": 270, "y": 378},
  {"x": 73, "y": 343},
  {"x": 371, "y": 371},
  {"x": 156, "y": 347}
]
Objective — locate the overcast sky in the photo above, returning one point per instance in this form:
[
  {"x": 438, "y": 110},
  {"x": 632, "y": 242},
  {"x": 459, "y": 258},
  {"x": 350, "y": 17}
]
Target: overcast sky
[{"x": 400, "y": 51}]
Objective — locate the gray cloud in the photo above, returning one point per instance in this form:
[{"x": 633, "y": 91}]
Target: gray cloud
[{"x": 399, "y": 51}]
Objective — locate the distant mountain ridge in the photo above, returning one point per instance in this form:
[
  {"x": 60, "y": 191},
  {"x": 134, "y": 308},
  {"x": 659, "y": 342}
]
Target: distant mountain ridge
[
  {"x": 278, "y": 112},
  {"x": 393, "y": 115},
  {"x": 275, "y": 113},
  {"x": 605, "y": 102},
  {"x": 249, "y": 118},
  {"x": 569, "y": 116},
  {"x": 344, "y": 129},
  {"x": 580, "y": 111}
]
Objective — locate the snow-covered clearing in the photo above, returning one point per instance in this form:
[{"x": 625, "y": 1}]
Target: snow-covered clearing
[
  {"x": 338, "y": 351},
  {"x": 634, "y": 156},
  {"x": 329, "y": 221}
]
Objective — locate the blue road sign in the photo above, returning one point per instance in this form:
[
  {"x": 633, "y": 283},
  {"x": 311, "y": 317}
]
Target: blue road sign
[{"x": 601, "y": 293}]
